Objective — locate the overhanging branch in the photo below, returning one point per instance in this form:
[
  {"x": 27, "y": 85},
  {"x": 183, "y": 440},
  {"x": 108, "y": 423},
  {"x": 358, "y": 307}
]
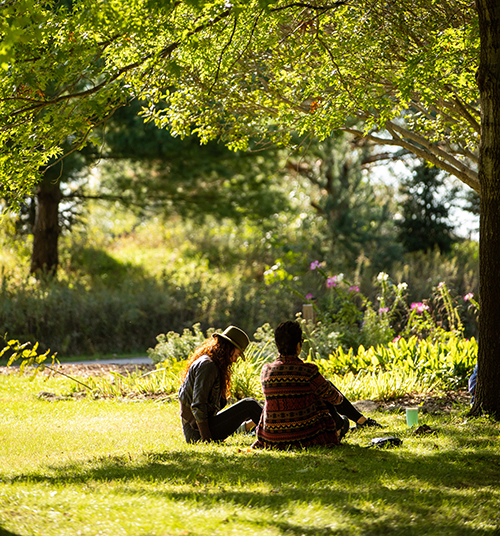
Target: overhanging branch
[
  {"x": 426, "y": 151},
  {"x": 325, "y": 7},
  {"x": 164, "y": 53}
]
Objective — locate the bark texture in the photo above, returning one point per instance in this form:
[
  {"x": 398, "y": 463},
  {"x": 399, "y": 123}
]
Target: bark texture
[
  {"x": 44, "y": 256},
  {"x": 487, "y": 398}
]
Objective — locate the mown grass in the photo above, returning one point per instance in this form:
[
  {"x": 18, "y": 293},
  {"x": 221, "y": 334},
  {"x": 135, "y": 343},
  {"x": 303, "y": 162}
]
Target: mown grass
[{"x": 112, "y": 467}]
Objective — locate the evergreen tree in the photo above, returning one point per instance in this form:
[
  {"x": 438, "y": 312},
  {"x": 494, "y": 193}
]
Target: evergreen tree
[
  {"x": 148, "y": 168},
  {"x": 359, "y": 218},
  {"x": 425, "y": 211}
]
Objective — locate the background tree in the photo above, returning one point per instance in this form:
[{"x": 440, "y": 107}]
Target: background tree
[
  {"x": 358, "y": 215},
  {"x": 150, "y": 169},
  {"x": 425, "y": 211},
  {"x": 59, "y": 184},
  {"x": 488, "y": 79},
  {"x": 145, "y": 168}
]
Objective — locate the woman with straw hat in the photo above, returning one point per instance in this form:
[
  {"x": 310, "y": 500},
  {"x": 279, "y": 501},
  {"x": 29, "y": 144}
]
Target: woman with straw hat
[{"x": 205, "y": 388}]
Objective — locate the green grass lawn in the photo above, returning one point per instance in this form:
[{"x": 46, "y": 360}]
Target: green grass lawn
[{"x": 111, "y": 467}]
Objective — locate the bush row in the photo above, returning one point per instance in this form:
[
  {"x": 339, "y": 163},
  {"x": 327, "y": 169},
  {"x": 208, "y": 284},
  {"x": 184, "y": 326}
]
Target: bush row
[{"x": 76, "y": 320}]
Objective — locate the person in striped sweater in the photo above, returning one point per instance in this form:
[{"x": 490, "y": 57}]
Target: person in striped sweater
[{"x": 302, "y": 408}]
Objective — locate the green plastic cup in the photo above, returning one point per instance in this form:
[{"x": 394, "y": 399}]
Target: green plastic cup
[{"x": 412, "y": 416}]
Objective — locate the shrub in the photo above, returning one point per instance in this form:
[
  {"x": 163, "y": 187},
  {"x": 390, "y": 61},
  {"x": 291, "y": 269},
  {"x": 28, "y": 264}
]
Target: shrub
[
  {"x": 176, "y": 347},
  {"x": 446, "y": 363}
]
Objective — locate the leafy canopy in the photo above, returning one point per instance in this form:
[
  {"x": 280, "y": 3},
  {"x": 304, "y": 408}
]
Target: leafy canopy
[{"x": 237, "y": 70}]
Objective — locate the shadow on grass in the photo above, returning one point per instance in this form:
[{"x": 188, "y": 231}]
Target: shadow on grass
[
  {"x": 4, "y": 532},
  {"x": 379, "y": 491}
]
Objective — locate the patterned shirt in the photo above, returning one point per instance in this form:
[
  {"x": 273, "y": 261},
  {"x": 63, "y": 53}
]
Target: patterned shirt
[{"x": 295, "y": 414}]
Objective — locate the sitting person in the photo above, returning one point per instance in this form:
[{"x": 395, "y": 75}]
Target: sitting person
[
  {"x": 301, "y": 408},
  {"x": 205, "y": 387}
]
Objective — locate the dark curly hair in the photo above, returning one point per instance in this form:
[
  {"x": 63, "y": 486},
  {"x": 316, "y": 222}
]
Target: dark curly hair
[
  {"x": 220, "y": 351},
  {"x": 287, "y": 335}
]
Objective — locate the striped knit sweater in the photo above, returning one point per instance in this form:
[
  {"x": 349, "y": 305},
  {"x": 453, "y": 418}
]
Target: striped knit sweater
[{"x": 295, "y": 414}]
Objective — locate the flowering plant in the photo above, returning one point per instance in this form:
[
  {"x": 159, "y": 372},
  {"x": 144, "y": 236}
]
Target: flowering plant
[
  {"x": 469, "y": 297},
  {"x": 346, "y": 318},
  {"x": 439, "y": 322},
  {"x": 419, "y": 307}
]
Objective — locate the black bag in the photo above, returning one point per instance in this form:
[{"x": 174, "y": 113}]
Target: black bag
[{"x": 390, "y": 441}]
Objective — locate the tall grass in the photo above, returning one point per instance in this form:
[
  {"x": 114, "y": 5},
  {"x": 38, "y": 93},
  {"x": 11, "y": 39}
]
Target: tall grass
[
  {"x": 116, "y": 292},
  {"x": 383, "y": 385},
  {"x": 164, "y": 381},
  {"x": 377, "y": 373},
  {"x": 119, "y": 299}
]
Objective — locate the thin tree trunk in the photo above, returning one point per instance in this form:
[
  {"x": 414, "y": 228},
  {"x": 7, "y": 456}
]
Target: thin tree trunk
[
  {"x": 487, "y": 398},
  {"x": 44, "y": 256}
]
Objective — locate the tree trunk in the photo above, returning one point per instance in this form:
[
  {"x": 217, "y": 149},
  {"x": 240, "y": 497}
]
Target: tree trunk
[
  {"x": 44, "y": 256},
  {"x": 487, "y": 398}
]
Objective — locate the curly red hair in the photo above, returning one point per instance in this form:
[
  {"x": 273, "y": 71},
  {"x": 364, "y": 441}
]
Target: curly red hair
[{"x": 220, "y": 352}]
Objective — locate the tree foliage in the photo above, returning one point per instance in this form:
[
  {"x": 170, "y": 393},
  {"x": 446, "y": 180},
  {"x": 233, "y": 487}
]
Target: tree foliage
[
  {"x": 149, "y": 169},
  {"x": 236, "y": 70},
  {"x": 405, "y": 71}
]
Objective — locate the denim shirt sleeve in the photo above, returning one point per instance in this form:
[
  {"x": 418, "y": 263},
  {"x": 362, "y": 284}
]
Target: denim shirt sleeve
[
  {"x": 473, "y": 381},
  {"x": 201, "y": 389}
]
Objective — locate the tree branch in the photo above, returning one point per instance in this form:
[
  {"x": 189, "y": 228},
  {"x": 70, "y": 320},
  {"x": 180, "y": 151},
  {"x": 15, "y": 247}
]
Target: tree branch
[
  {"x": 78, "y": 146},
  {"x": 316, "y": 207},
  {"x": 451, "y": 165},
  {"x": 432, "y": 147},
  {"x": 165, "y": 52},
  {"x": 382, "y": 157},
  {"x": 467, "y": 112},
  {"x": 216, "y": 77},
  {"x": 325, "y": 7}
]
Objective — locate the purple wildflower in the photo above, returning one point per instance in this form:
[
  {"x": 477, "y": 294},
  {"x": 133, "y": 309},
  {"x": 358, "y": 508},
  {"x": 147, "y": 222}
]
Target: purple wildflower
[
  {"x": 334, "y": 280},
  {"x": 315, "y": 264},
  {"x": 331, "y": 282},
  {"x": 469, "y": 296},
  {"x": 383, "y": 310},
  {"x": 354, "y": 289},
  {"x": 309, "y": 296}
]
